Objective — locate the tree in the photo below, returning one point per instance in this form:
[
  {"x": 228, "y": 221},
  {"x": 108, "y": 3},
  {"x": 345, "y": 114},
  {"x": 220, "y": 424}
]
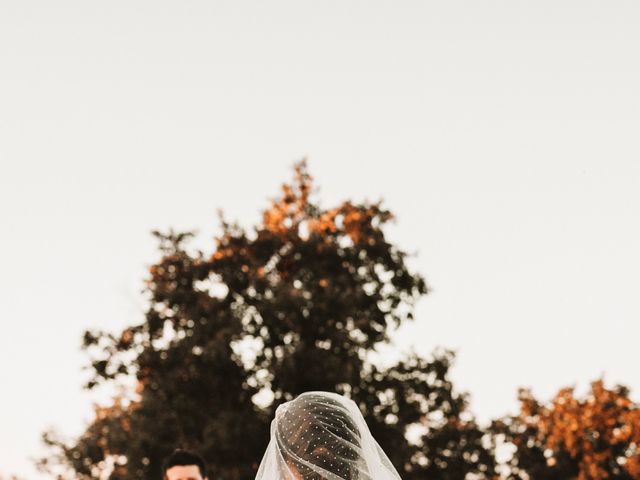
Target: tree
[
  {"x": 594, "y": 438},
  {"x": 298, "y": 304}
]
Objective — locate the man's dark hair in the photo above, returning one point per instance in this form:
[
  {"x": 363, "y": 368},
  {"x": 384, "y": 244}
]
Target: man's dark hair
[{"x": 183, "y": 458}]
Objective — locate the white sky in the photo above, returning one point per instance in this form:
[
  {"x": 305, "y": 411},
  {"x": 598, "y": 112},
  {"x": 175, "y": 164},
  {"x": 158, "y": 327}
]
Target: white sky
[{"x": 504, "y": 135}]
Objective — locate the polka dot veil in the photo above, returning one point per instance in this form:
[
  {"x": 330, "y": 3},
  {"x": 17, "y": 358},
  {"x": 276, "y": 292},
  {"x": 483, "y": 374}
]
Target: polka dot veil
[{"x": 323, "y": 436}]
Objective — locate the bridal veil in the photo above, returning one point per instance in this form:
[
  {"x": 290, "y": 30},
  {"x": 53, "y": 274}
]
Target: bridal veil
[{"x": 323, "y": 436}]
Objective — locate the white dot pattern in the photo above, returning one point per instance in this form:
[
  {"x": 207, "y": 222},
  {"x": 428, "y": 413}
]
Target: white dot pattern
[{"x": 322, "y": 436}]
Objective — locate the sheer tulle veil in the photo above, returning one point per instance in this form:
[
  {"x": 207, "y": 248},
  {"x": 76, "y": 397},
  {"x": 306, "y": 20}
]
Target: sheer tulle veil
[{"x": 323, "y": 436}]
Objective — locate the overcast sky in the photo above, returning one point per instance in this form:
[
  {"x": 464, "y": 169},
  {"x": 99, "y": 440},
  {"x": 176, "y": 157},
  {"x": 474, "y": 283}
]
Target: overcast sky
[{"x": 504, "y": 135}]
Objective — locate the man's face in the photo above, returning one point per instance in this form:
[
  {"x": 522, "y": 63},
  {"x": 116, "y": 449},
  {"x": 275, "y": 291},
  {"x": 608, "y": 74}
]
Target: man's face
[{"x": 184, "y": 472}]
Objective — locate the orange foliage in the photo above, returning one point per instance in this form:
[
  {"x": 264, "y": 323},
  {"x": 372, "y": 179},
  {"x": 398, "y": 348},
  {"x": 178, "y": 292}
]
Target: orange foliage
[
  {"x": 326, "y": 223},
  {"x": 600, "y": 430},
  {"x": 291, "y": 207},
  {"x": 293, "y": 210}
]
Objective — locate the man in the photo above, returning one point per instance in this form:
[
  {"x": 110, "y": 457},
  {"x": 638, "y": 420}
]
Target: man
[{"x": 183, "y": 465}]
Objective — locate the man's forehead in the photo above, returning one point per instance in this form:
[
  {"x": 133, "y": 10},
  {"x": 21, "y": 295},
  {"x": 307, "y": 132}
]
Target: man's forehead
[{"x": 184, "y": 472}]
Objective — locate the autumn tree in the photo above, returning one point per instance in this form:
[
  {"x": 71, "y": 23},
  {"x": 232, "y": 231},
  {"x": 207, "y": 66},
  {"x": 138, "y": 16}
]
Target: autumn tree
[
  {"x": 296, "y": 304},
  {"x": 592, "y": 438}
]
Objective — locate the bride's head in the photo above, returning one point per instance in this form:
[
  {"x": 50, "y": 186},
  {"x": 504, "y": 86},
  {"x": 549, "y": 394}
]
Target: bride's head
[
  {"x": 318, "y": 435},
  {"x": 323, "y": 436}
]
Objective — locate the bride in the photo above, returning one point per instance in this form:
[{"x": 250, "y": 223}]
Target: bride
[{"x": 323, "y": 436}]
